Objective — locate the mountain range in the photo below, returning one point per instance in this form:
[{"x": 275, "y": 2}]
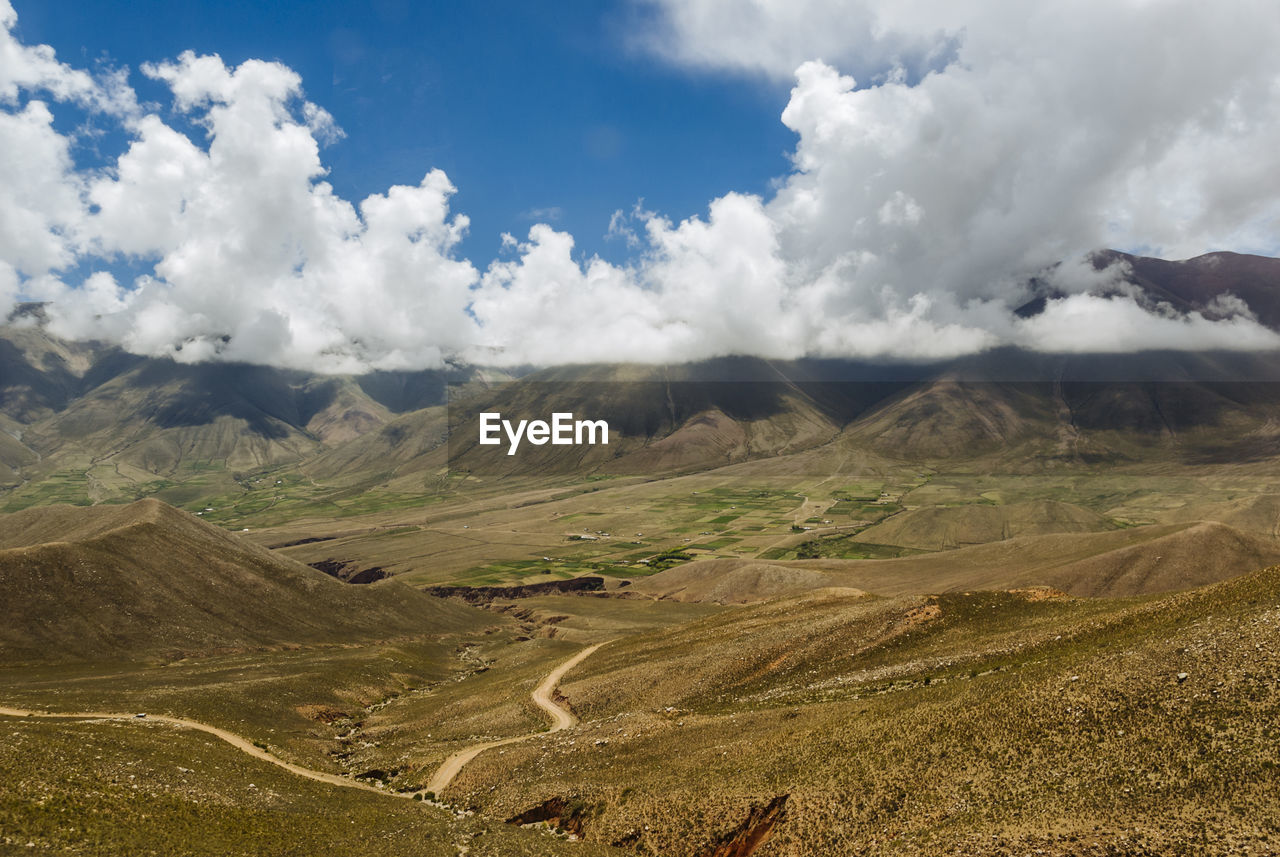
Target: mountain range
[{"x": 85, "y": 421}]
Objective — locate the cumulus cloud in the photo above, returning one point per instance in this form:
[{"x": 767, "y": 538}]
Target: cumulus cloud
[
  {"x": 986, "y": 144},
  {"x": 774, "y": 37},
  {"x": 40, "y": 210},
  {"x": 946, "y": 153},
  {"x": 255, "y": 258},
  {"x": 1091, "y": 323},
  {"x": 36, "y": 68}
]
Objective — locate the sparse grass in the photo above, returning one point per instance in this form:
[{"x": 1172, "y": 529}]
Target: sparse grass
[
  {"x": 1000, "y": 724},
  {"x": 112, "y": 788},
  {"x": 259, "y": 695},
  {"x": 894, "y": 730}
]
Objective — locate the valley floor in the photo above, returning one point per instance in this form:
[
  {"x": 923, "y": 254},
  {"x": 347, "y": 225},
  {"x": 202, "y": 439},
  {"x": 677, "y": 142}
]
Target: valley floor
[{"x": 879, "y": 659}]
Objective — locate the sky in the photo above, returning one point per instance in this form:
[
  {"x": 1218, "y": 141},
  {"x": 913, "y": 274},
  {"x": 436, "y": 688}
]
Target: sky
[
  {"x": 534, "y": 113},
  {"x": 397, "y": 185}
]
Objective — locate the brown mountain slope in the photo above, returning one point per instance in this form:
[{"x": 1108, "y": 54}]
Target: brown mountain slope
[
  {"x": 1137, "y": 561},
  {"x": 401, "y": 446},
  {"x": 114, "y": 582},
  {"x": 41, "y": 374},
  {"x": 32, "y": 527},
  {"x": 1032, "y": 426},
  {"x": 730, "y": 581},
  {"x": 950, "y": 418},
  {"x": 1194, "y": 284},
  {"x": 1257, "y": 514},
  {"x": 14, "y": 456},
  {"x": 102, "y": 424},
  {"x": 983, "y": 724},
  {"x": 942, "y": 527},
  {"x": 160, "y": 415}
]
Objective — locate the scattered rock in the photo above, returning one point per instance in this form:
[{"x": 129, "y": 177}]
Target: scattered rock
[
  {"x": 753, "y": 832},
  {"x": 559, "y": 812}
]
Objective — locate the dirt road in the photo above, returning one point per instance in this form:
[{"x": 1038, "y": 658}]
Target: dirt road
[
  {"x": 561, "y": 718},
  {"x": 543, "y": 697},
  {"x": 222, "y": 734}
]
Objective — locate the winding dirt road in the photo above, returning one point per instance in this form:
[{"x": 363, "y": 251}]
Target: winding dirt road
[
  {"x": 230, "y": 737},
  {"x": 542, "y": 696}
]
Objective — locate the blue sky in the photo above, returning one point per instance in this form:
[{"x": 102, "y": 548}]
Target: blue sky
[{"x": 535, "y": 111}]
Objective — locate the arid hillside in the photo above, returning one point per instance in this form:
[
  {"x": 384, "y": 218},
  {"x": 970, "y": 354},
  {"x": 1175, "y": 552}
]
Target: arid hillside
[
  {"x": 116, "y": 582},
  {"x": 982, "y": 723},
  {"x": 941, "y": 527}
]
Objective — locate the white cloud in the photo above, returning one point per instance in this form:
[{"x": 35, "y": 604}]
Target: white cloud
[
  {"x": 40, "y": 207},
  {"x": 41, "y": 211},
  {"x": 1089, "y": 323},
  {"x": 542, "y": 307},
  {"x": 946, "y": 152},
  {"x": 36, "y": 68},
  {"x": 256, "y": 258},
  {"x": 773, "y": 37},
  {"x": 918, "y": 210},
  {"x": 620, "y": 229}
]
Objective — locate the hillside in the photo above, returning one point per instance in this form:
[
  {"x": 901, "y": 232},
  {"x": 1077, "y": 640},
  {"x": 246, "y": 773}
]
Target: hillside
[
  {"x": 401, "y": 446},
  {"x": 1194, "y": 284},
  {"x": 41, "y": 374},
  {"x": 148, "y": 580},
  {"x": 942, "y": 527},
  {"x": 14, "y": 456},
  {"x": 159, "y": 416},
  {"x": 729, "y": 581},
  {"x": 1136, "y": 561},
  {"x": 1256, "y": 514},
  {"x": 135, "y": 790},
  {"x": 1015, "y": 410},
  {"x": 1057, "y": 412},
  {"x": 99, "y": 424},
  {"x": 990, "y": 723}
]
